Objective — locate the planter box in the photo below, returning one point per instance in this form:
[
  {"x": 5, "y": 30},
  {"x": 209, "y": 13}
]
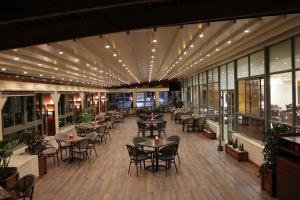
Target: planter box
[
  {"x": 238, "y": 155},
  {"x": 42, "y": 165},
  {"x": 209, "y": 134},
  {"x": 11, "y": 180},
  {"x": 268, "y": 182}
]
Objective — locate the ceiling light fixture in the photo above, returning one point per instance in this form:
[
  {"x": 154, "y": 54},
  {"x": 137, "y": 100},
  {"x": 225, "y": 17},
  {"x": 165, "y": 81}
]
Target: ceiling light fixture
[
  {"x": 3, "y": 69},
  {"x": 246, "y": 31},
  {"x": 154, "y": 41},
  {"x": 153, "y": 50},
  {"x": 107, "y": 46},
  {"x": 229, "y": 42},
  {"x": 61, "y": 52},
  {"x": 24, "y": 72},
  {"x": 120, "y": 60},
  {"x": 41, "y": 75},
  {"x": 114, "y": 54},
  {"x": 191, "y": 45},
  {"x": 16, "y": 58},
  {"x": 201, "y": 35},
  {"x": 217, "y": 49}
]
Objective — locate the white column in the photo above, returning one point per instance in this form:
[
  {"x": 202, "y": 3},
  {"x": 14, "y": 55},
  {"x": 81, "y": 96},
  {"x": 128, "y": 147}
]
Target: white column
[
  {"x": 82, "y": 100},
  {"x": 2, "y": 102},
  {"x": 99, "y": 102},
  {"x": 55, "y": 97},
  {"x": 134, "y": 99},
  {"x": 156, "y": 98}
]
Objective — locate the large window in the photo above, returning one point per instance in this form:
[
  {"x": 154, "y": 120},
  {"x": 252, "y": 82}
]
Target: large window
[
  {"x": 242, "y": 67},
  {"x": 281, "y": 98},
  {"x": 280, "y": 57},
  {"x": 163, "y": 98},
  {"x": 213, "y": 94},
  {"x": 119, "y": 101}
]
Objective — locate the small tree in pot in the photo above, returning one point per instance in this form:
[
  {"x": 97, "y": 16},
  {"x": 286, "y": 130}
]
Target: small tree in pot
[
  {"x": 8, "y": 176},
  {"x": 267, "y": 169},
  {"x": 85, "y": 116}
]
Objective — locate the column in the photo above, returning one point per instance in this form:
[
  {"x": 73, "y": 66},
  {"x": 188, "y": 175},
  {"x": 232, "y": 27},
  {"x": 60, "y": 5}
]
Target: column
[
  {"x": 156, "y": 98},
  {"x": 82, "y": 100},
  {"x": 99, "y": 103},
  {"x": 134, "y": 99},
  {"x": 55, "y": 97},
  {"x": 2, "y": 102}
]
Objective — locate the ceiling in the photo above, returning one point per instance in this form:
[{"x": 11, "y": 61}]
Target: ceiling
[{"x": 145, "y": 55}]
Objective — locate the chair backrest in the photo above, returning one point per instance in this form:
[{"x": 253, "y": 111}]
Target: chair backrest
[
  {"x": 201, "y": 121},
  {"x": 136, "y": 140},
  {"x": 82, "y": 144},
  {"x": 190, "y": 120},
  {"x": 91, "y": 136},
  {"x": 101, "y": 129},
  {"x": 170, "y": 150},
  {"x": 141, "y": 125},
  {"x": 174, "y": 138},
  {"x": 25, "y": 185},
  {"x": 134, "y": 152},
  {"x": 162, "y": 124}
]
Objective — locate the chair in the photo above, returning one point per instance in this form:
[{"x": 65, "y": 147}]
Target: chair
[
  {"x": 121, "y": 117},
  {"x": 92, "y": 140},
  {"x": 136, "y": 140},
  {"x": 176, "y": 139},
  {"x": 189, "y": 123},
  {"x": 101, "y": 133},
  {"x": 23, "y": 188},
  {"x": 137, "y": 156},
  {"x": 51, "y": 151},
  {"x": 168, "y": 154},
  {"x": 142, "y": 128},
  {"x": 62, "y": 145},
  {"x": 81, "y": 148},
  {"x": 199, "y": 123},
  {"x": 161, "y": 128}
]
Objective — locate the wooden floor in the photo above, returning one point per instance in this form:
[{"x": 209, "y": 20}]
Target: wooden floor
[{"x": 204, "y": 173}]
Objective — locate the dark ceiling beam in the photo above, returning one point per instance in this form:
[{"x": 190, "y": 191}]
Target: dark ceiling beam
[{"x": 86, "y": 20}]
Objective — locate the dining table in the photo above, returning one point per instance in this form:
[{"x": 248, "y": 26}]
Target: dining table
[
  {"x": 184, "y": 118},
  {"x": 72, "y": 140},
  {"x": 4, "y": 194},
  {"x": 156, "y": 144}
]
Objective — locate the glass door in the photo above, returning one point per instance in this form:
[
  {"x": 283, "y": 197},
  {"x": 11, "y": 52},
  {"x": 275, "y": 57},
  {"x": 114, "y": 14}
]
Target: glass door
[{"x": 227, "y": 116}]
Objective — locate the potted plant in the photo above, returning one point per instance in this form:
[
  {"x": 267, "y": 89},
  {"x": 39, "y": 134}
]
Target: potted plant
[
  {"x": 236, "y": 150},
  {"x": 179, "y": 104},
  {"x": 85, "y": 116},
  {"x": 8, "y": 175},
  {"x": 208, "y": 132},
  {"x": 36, "y": 145},
  {"x": 267, "y": 170}
]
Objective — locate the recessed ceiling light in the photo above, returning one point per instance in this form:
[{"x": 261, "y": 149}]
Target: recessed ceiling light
[
  {"x": 114, "y": 54},
  {"x": 247, "y": 31},
  {"x": 154, "y": 41},
  {"x": 191, "y": 45},
  {"x": 120, "y": 60},
  {"x": 24, "y": 72},
  {"x": 76, "y": 59},
  {"x": 185, "y": 53},
  {"x": 201, "y": 35},
  {"x": 55, "y": 68},
  {"x": 53, "y": 76},
  {"x": 41, "y": 74},
  {"x": 180, "y": 58},
  {"x": 107, "y": 46},
  {"x": 61, "y": 52},
  {"x": 3, "y": 69},
  {"x": 229, "y": 42},
  {"x": 39, "y": 64},
  {"x": 126, "y": 67},
  {"x": 123, "y": 65},
  {"x": 277, "y": 58},
  {"x": 176, "y": 62},
  {"x": 217, "y": 49},
  {"x": 152, "y": 61},
  {"x": 16, "y": 58},
  {"x": 152, "y": 57},
  {"x": 153, "y": 50}
]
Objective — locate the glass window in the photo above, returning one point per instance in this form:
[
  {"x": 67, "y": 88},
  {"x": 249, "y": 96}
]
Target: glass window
[
  {"x": 215, "y": 74},
  {"x": 230, "y": 76},
  {"x": 257, "y": 129},
  {"x": 281, "y": 97},
  {"x": 242, "y": 67},
  {"x": 210, "y": 76},
  {"x": 140, "y": 99},
  {"x": 297, "y": 85},
  {"x": 257, "y": 63},
  {"x": 213, "y": 95},
  {"x": 280, "y": 57},
  {"x": 30, "y": 108},
  {"x": 243, "y": 125},
  {"x": 18, "y": 110},
  {"x": 204, "y": 78},
  {"x": 8, "y": 113},
  {"x": 163, "y": 98},
  {"x": 150, "y": 99},
  {"x": 255, "y": 96},
  {"x": 297, "y": 52},
  {"x": 242, "y": 94},
  {"x": 204, "y": 95},
  {"x": 223, "y": 77}
]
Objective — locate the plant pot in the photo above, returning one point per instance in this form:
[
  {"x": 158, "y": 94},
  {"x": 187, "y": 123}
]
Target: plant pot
[
  {"x": 13, "y": 177},
  {"x": 238, "y": 155},
  {"x": 209, "y": 134},
  {"x": 268, "y": 182},
  {"x": 42, "y": 165}
]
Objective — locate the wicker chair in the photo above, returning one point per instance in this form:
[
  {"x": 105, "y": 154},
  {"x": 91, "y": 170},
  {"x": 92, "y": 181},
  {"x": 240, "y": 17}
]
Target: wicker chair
[
  {"x": 137, "y": 156},
  {"x": 81, "y": 149},
  {"x": 92, "y": 141},
  {"x": 176, "y": 139},
  {"x": 161, "y": 128},
  {"x": 168, "y": 154},
  {"x": 142, "y": 128},
  {"x": 51, "y": 151},
  {"x": 23, "y": 188}
]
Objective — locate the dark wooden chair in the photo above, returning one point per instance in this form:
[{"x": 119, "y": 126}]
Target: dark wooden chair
[
  {"x": 92, "y": 141},
  {"x": 176, "y": 139},
  {"x": 51, "y": 151},
  {"x": 81, "y": 149}
]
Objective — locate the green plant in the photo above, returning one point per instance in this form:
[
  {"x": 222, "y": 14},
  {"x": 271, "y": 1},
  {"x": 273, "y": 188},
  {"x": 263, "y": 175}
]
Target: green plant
[
  {"x": 241, "y": 147},
  {"x": 270, "y": 143},
  {"x": 5, "y": 155},
  {"x": 235, "y": 144},
  {"x": 35, "y": 142},
  {"x": 230, "y": 142},
  {"x": 85, "y": 116},
  {"x": 207, "y": 127},
  {"x": 179, "y": 104}
]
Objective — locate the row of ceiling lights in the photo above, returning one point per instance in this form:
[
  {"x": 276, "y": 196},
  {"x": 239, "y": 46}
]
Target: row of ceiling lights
[
  {"x": 154, "y": 41},
  {"x": 188, "y": 66}
]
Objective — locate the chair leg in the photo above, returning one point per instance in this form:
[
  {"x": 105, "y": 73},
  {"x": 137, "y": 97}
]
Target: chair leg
[
  {"x": 57, "y": 159},
  {"x": 95, "y": 150},
  {"x": 129, "y": 167},
  {"x": 167, "y": 166},
  {"x": 178, "y": 158},
  {"x": 88, "y": 157},
  {"x": 54, "y": 159},
  {"x": 175, "y": 167},
  {"x": 137, "y": 170}
]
